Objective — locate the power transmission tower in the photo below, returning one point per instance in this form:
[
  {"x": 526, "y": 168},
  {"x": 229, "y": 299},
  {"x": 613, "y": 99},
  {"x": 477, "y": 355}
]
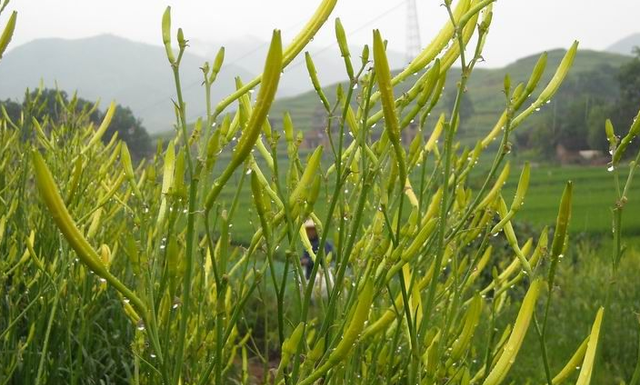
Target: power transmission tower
[{"x": 413, "y": 31}]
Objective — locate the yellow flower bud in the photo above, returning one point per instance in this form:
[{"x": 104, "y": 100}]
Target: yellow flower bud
[
  {"x": 166, "y": 35},
  {"x": 7, "y": 34},
  {"x": 511, "y": 348}
]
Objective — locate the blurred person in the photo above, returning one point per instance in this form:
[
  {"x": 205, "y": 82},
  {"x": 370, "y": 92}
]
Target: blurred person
[{"x": 312, "y": 233}]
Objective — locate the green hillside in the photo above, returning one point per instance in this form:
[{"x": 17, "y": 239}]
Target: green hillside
[{"x": 484, "y": 90}]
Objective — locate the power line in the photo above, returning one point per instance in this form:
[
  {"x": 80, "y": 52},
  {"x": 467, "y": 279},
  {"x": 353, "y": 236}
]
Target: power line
[
  {"x": 335, "y": 43},
  {"x": 199, "y": 82}
]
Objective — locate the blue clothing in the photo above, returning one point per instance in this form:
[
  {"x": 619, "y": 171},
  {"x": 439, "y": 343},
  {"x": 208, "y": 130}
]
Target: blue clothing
[{"x": 315, "y": 245}]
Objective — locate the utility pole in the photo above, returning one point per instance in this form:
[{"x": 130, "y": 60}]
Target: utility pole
[{"x": 413, "y": 31}]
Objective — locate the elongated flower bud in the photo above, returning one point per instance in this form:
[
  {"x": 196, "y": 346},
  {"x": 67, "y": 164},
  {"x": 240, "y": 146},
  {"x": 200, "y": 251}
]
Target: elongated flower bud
[
  {"x": 430, "y": 84},
  {"x": 313, "y": 74},
  {"x": 167, "y": 180},
  {"x": 7, "y": 34},
  {"x": 356, "y": 325},
  {"x": 518, "y": 200},
  {"x": 166, "y": 35},
  {"x": 270, "y": 80},
  {"x": 562, "y": 223},
  {"x": 182, "y": 42},
  {"x": 316, "y": 353},
  {"x": 470, "y": 323},
  {"x": 419, "y": 239},
  {"x": 179, "y": 188},
  {"x": 287, "y": 124},
  {"x": 365, "y": 55},
  {"x": 290, "y": 345},
  {"x": 507, "y": 84},
  {"x": 523, "y": 186},
  {"x": 217, "y": 65},
  {"x": 626, "y": 141},
  {"x": 309, "y": 30},
  {"x": 510, "y": 234},
  {"x": 125, "y": 158},
  {"x": 511, "y": 348},
  {"x": 51, "y": 196},
  {"x": 552, "y": 87},
  {"x": 493, "y": 193},
  {"x": 561, "y": 73},
  {"x": 590, "y": 355},
  {"x": 351, "y": 334},
  {"x": 534, "y": 79},
  {"x": 75, "y": 179},
  {"x": 289, "y": 348},
  {"x": 310, "y": 172},
  {"x": 573, "y": 364},
  {"x": 433, "y": 139},
  {"x": 261, "y": 207},
  {"x": 291, "y": 52},
  {"x": 388, "y": 102},
  {"x": 611, "y": 136},
  {"x": 103, "y": 127},
  {"x": 341, "y": 37}
]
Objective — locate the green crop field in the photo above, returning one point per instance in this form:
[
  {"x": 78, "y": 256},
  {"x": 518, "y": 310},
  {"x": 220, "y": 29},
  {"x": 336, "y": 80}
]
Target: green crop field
[{"x": 594, "y": 197}]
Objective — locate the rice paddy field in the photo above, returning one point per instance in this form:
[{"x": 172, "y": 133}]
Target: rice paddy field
[{"x": 594, "y": 198}]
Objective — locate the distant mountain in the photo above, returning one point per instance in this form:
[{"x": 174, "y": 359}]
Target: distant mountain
[
  {"x": 249, "y": 52},
  {"x": 108, "y": 67},
  {"x": 138, "y": 75},
  {"x": 626, "y": 45}
]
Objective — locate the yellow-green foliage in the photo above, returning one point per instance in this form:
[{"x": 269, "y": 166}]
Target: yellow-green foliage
[{"x": 125, "y": 273}]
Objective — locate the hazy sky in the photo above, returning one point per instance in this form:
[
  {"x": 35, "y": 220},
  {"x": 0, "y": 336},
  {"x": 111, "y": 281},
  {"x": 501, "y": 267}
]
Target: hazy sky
[{"x": 520, "y": 27}]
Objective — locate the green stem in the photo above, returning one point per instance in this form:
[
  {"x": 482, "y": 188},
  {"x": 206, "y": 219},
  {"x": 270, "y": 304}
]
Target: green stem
[
  {"x": 189, "y": 262},
  {"x": 47, "y": 335}
]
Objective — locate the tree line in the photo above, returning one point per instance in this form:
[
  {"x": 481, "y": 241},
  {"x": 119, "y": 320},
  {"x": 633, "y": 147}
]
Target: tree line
[
  {"x": 56, "y": 105},
  {"x": 575, "y": 118}
]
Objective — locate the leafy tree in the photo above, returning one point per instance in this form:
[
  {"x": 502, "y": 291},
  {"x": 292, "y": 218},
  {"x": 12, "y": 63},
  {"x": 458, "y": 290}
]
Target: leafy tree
[
  {"x": 624, "y": 111},
  {"x": 543, "y": 138},
  {"x": 572, "y": 126},
  {"x": 130, "y": 130},
  {"x": 597, "y": 138},
  {"x": 568, "y": 128},
  {"x": 629, "y": 81},
  {"x": 12, "y": 108},
  {"x": 54, "y": 104},
  {"x": 576, "y": 117}
]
